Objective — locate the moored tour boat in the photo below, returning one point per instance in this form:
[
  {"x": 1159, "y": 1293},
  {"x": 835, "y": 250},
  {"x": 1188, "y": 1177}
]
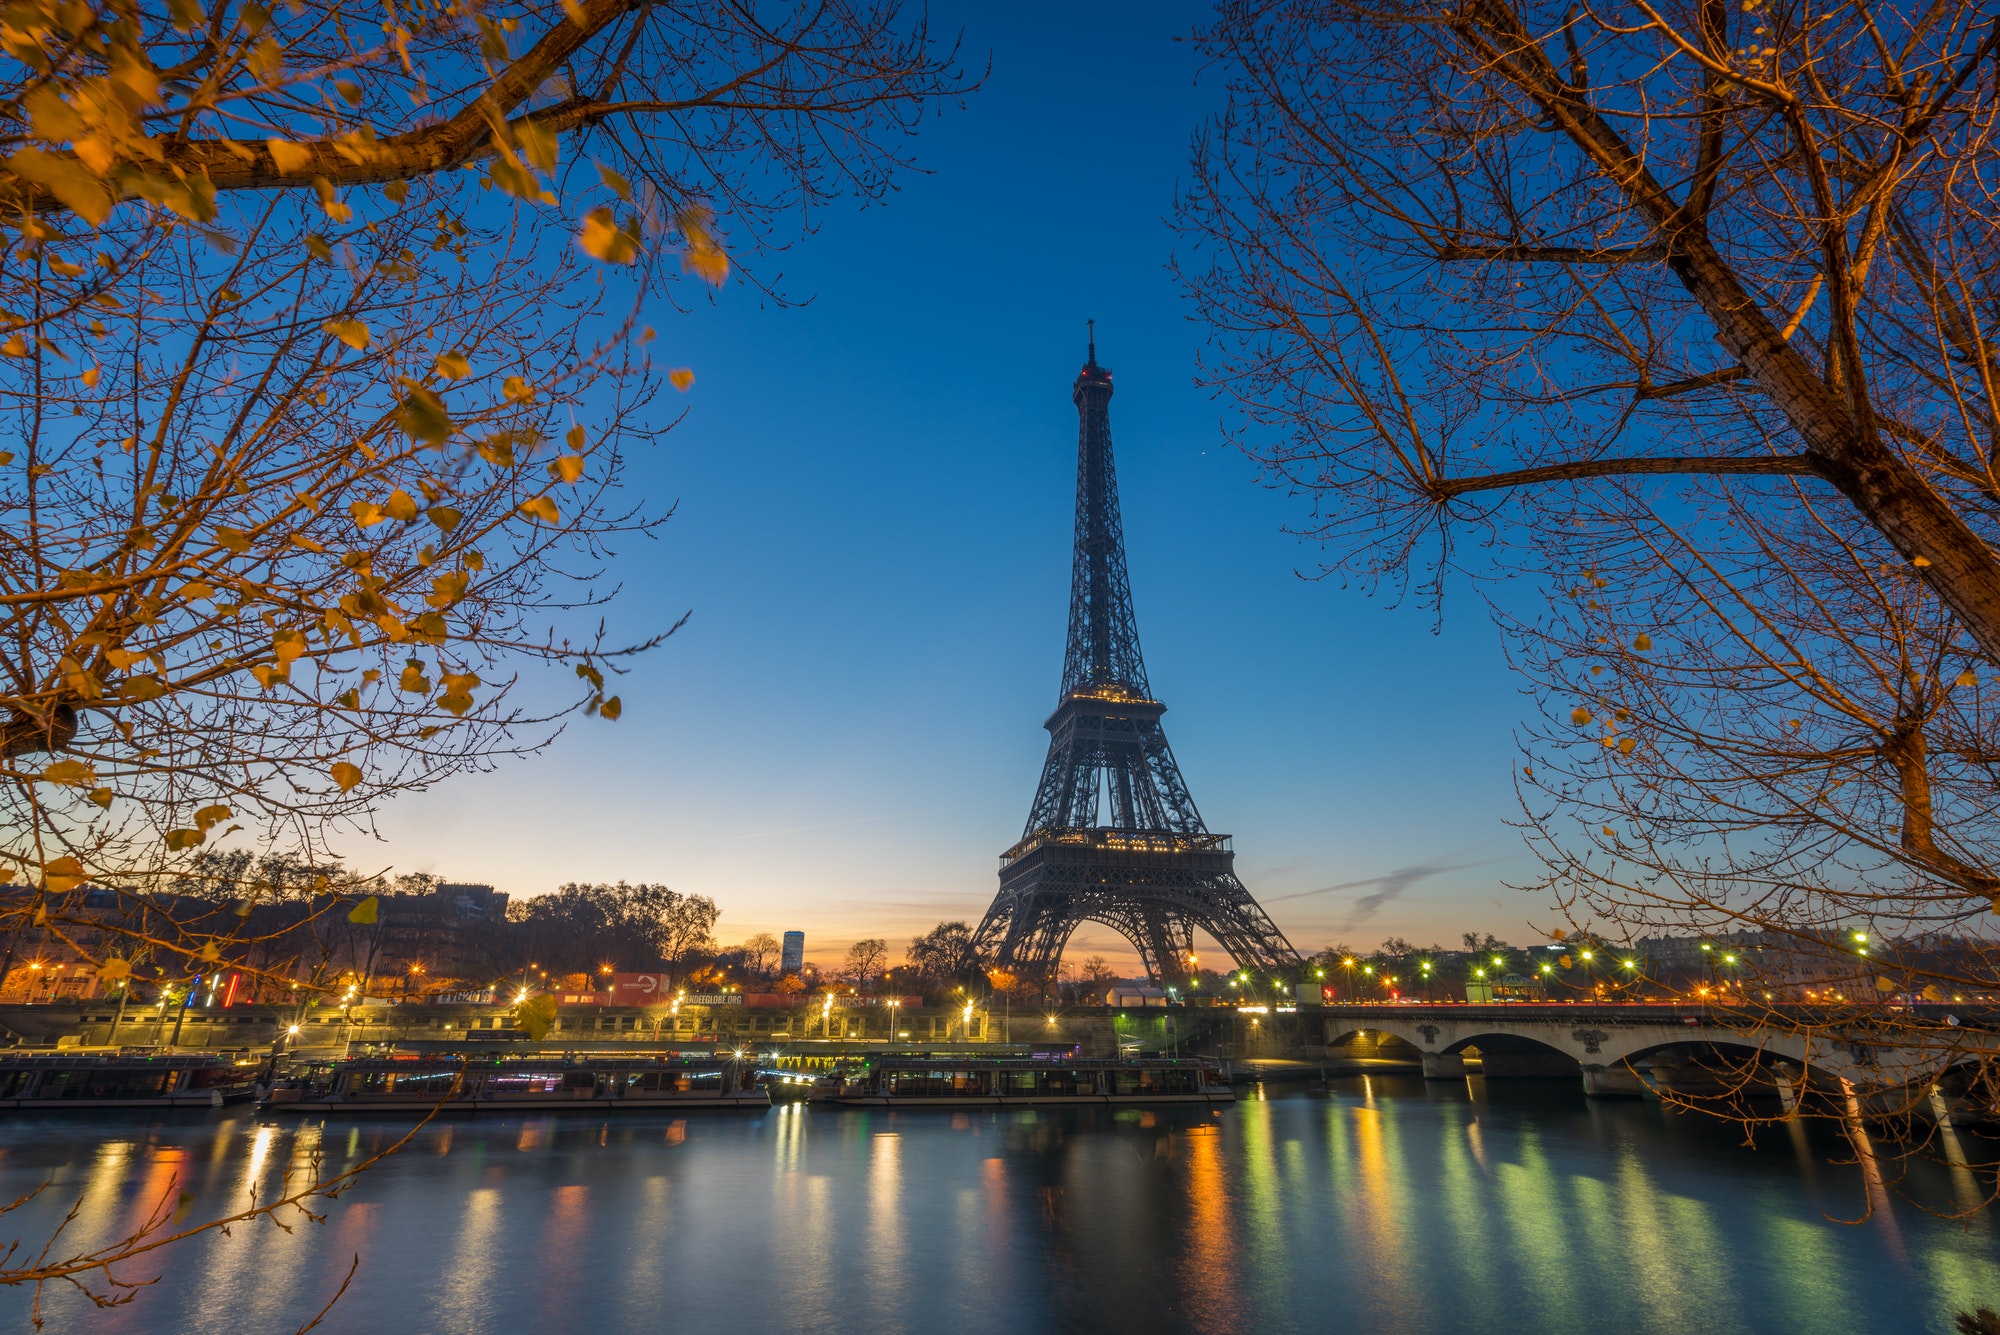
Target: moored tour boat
[
  {"x": 517, "y": 1084},
  {"x": 918, "y": 1082},
  {"x": 83, "y": 1081}
]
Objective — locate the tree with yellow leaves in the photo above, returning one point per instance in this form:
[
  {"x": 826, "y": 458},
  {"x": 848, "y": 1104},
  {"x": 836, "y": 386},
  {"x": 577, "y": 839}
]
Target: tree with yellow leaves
[
  {"x": 322, "y": 351},
  {"x": 315, "y": 438}
]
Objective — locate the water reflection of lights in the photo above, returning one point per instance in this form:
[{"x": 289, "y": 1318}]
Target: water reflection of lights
[
  {"x": 791, "y": 1119},
  {"x": 260, "y": 1150},
  {"x": 1379, "y": 1171},
  {"x": 1209, "y": 1272},
  {"x": 466, "y": 1301}
]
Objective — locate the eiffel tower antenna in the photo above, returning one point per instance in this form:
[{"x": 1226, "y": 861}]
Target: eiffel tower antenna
[{"x": 1113, "y": 836}]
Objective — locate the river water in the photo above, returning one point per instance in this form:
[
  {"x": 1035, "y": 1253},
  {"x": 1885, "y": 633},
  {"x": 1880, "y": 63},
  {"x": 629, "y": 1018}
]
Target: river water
[{"x": 1389, "y": 1205}]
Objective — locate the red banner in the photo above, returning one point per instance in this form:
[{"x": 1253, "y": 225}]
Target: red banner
[{"x": 640, "y": 989}]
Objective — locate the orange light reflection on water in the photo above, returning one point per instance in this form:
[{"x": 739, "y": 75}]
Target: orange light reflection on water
[{"x": 1208, "y": 1267}]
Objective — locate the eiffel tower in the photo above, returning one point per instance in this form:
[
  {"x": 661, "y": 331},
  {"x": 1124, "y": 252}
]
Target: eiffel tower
[{"x": 1153, "y": 872}]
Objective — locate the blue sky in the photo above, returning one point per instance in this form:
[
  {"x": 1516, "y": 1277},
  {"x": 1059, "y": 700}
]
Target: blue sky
[{"x": 875, "y": 498}]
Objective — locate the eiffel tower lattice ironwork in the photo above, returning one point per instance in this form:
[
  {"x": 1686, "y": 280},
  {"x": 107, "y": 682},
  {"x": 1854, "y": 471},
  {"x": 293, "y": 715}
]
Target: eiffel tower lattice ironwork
[{"x": 1153, "y": 872}]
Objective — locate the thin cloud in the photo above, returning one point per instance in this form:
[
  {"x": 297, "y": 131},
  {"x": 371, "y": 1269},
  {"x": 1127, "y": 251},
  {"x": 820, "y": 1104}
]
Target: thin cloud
[{"x": 1383, "y": 888}]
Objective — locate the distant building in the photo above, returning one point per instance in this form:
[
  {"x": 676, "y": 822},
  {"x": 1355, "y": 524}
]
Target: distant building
[
  {"x": 793, "y": 957},
  {"x": 450, "y": 932}
]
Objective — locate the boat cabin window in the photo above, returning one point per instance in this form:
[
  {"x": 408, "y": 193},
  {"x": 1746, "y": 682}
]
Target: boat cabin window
[
  {"x": 436, "y": 1084},
  {"x": 940, "y": 1082},
  {"x": 1186, "y": 1081},
  {"x": 106, "y": 1084},
  {"x": 1064, "y": 1081}
]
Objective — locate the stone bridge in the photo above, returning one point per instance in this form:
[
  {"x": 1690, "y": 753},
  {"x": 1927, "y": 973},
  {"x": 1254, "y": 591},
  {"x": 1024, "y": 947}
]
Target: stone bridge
[{"x": 1605, "y": 1042}]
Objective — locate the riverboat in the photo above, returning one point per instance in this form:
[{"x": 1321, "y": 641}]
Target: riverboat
[
  {"x": 516, "y": 1084},
  {"x": 902, "y": 1082},
  {"x": 79, "y": 1082}
]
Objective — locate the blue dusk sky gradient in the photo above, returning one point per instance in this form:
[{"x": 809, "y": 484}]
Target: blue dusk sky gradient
[{"x": 875, "y": 497}]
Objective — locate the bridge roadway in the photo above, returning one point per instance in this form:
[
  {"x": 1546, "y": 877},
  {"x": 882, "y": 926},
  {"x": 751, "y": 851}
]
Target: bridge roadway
[{"x": 1606, "y": 1041}]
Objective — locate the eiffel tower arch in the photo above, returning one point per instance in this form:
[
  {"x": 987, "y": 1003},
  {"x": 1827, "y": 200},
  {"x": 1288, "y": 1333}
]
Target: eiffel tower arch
[{"x": 1114, "y": 836}]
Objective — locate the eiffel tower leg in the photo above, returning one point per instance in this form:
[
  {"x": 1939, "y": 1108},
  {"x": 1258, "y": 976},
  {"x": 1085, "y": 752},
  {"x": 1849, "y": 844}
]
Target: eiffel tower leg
[{"x": 1023, "y": 936}]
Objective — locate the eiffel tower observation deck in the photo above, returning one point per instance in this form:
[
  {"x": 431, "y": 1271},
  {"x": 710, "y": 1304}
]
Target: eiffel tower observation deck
[{"x": 1114, "y": 836}]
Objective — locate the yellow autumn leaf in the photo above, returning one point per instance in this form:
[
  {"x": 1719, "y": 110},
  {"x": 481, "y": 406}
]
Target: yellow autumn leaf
[
  {"x": 90, "y": 375},
  {"x": 1643, "y": 643},
  {"x": 706, "y": 263},
  {"x": 457, "y": 696},
  {"x": 68, "y": 179},
  {"x": 681, "y": 378},
  {"x": 454, "y": 366},
  {"x": 113, "y": 969},
  {"x": 610, "y": 709},
  {"x": 366, "y": 911},
  {"x": 70, "y": 773},
  {"x": 145, "y": 686},
  {"x": 602, "y": 238},
  {"x": 443, "y": 516},
  {"x": 179, "y": 841},
  {"x": 399, "y": 506},
  {"x": 703, "y": 257},
  {"x": 423, "y": 417},
  {"x": 542, "y": 508},
  {"x": 351, "y": 332},
  {"x": 1625, "y": 746},
  {"x": 619, "y": 185},
  {"x": 211, "y": 815},
  {"x": 448, "y": 588},
  {"x": 1579, "y": 716},
  {"x": 1884, "y": 983},
  {"x": 288, "y": 156},
  {"x": 1967, "y": 679},
  {"x": 62, "y": 876},
  {"x": 210, "y": 952},
  {"x": 536, "y": 1016},
  {"x": 567, "y": 469},
  {"x": 102, "y": 797},
  {"x": 539, "y": 144},
  {"x": 346, "y": 775}
]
